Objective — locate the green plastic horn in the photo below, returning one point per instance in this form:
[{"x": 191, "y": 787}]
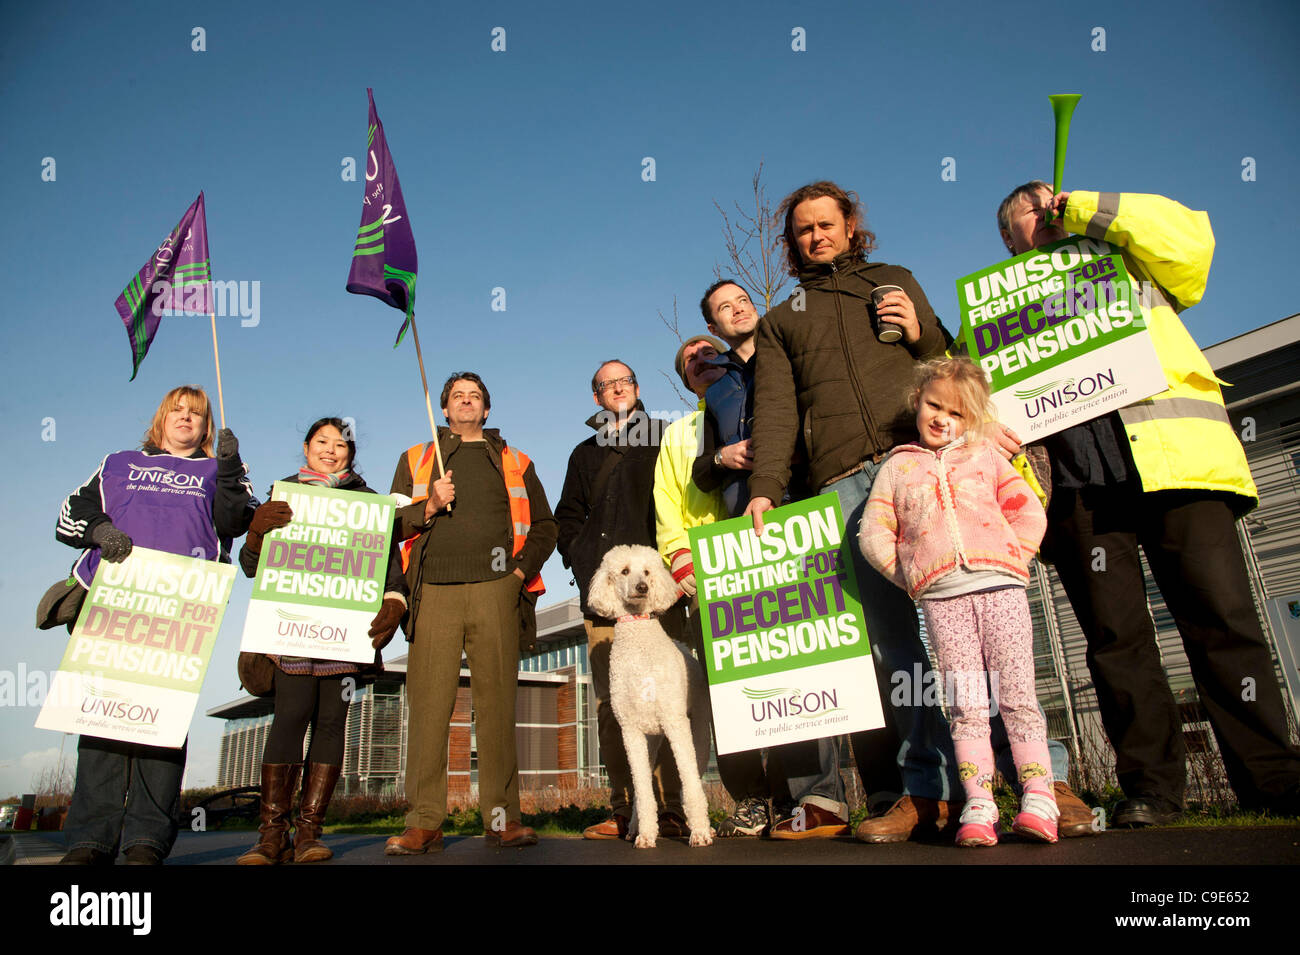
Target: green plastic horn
[{"x": 1063, "y": 108}]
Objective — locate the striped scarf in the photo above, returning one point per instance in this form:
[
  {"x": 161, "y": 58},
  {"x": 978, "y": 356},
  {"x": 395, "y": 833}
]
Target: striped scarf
[{"x": 307, "y": 476}]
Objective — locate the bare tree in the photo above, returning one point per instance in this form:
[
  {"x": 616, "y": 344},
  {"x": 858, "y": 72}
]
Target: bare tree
[
  {"x": 753, "y": 241},
  {"x": 675, "y": 327},
  {"x": 53, "y": 785}
]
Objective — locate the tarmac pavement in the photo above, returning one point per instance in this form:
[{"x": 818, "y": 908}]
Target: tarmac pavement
[{"x": 1261, "y": 845}]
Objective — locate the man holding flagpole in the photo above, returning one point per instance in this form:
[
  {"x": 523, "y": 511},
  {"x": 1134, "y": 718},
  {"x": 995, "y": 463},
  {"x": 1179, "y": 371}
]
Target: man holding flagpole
[{"x": 476, "y": 540}]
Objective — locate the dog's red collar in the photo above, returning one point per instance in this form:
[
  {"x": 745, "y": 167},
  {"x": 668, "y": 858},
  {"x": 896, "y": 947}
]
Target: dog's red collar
[{"x": 635, "y": 616}]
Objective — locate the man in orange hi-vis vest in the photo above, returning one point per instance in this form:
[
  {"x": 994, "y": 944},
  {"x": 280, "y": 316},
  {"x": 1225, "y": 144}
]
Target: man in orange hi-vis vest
[{"x": 477, "y": 538}]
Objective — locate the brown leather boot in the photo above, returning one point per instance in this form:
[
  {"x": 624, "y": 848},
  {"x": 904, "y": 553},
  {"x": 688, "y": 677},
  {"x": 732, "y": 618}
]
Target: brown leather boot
[
  {"x": 279, "y": 783},
  {"x": 316, "y": 792}
]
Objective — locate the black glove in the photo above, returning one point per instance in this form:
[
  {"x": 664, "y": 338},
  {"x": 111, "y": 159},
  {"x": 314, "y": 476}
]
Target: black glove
[
  {"x": 385, "y": 623},
  {"x": 227, "y": 444},
  {"x": 114, "y": 546}
]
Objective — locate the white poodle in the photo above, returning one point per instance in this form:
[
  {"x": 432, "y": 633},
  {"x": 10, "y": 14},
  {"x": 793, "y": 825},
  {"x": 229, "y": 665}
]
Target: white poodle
[{"x": 654, "y": 683}]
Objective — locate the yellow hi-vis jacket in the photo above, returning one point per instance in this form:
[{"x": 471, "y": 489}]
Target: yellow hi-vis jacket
[
  {"x": 679, "y": 502},
  {"x": 1182, "y": 437}
]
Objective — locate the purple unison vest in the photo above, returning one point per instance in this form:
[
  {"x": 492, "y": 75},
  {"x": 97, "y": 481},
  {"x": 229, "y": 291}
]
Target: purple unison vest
[{"x": 158, "y": 500}]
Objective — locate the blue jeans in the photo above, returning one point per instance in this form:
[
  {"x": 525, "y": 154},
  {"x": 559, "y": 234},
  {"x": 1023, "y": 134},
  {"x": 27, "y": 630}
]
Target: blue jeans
[
  {"x": 812, "y": 771},
  {"x": 126, "y": 794},
  {"x": 925, "y": 756}
]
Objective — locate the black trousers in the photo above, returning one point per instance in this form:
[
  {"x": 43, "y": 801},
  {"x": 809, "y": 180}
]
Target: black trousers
[
  {"x": 303, "y": 699},
  {"x": 1191, "y": 544}
]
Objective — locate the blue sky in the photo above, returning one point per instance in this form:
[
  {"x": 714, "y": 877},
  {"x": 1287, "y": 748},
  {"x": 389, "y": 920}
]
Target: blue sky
[{"x": 522, "y": 170}]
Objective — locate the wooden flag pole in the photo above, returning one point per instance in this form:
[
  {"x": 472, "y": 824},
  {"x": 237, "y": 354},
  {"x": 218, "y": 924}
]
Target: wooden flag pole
[
  {"x": 428, "y": 405},
  {"x": 221, "y": 398}
]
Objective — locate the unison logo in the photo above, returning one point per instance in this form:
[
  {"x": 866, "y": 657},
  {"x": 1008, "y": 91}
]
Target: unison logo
[
  {"x": 1057, "y": 394},
  {"x": 163, "y": 476},
  {"x": 790, "y": 703},
  {"x": 313, "y": 631},
  {"x": 310, "y": 628},
  {"x": 114, "y": 707}
]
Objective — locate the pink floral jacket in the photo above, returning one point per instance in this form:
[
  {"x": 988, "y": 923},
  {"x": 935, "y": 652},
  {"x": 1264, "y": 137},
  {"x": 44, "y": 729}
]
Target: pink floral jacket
[{"x": 929, "y": 511}]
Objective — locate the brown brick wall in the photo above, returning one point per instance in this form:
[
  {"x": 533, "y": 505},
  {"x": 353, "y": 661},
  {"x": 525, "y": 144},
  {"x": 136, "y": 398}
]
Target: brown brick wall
[
  {"x": 458, "y": 754},
  {"x": 566, "y": 712}
]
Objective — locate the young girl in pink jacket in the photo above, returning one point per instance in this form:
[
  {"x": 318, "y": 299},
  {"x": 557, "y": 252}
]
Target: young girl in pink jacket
[{"x": 950, "y": 521}]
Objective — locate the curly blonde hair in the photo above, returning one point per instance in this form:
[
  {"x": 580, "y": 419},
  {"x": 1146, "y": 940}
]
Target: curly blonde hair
[{"x": 972, "y": 388}]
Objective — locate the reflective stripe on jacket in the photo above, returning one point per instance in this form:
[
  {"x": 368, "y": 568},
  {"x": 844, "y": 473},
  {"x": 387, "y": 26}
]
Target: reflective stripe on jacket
[
  {"x": 1182, "y": 437},
  {"x": 514, "y": 463}
]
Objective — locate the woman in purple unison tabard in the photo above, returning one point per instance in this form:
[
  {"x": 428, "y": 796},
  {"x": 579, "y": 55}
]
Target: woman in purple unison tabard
[
  {"x": 307, "y": 690},
  {"x": 173, "y": 496}
]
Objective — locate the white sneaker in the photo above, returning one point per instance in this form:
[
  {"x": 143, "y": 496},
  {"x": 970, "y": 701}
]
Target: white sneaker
[
  {"x": 979, "y": 823},
  {"x": 1037, "y": 818}
]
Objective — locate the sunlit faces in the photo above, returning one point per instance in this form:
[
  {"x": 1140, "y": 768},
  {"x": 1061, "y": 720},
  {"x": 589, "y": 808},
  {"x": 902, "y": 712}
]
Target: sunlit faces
[
  {"x": 939, "y": 415},
  {"x": 734, "y": 315},
  {"x": 820, "y": 230},
  {"x": 616, "y": 388},
  {"x": 1029, "y": 228},
  {"x": 465, "y": 406},
  {"x": 700, "y": 371},
  {"x": 327, "y": 451},
  {"x": 183, "y": 429}
]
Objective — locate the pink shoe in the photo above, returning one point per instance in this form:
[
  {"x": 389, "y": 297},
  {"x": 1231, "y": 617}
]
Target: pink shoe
[
  {"x": 979, "y": 823},
  {"x": 1037, "y": 818}
]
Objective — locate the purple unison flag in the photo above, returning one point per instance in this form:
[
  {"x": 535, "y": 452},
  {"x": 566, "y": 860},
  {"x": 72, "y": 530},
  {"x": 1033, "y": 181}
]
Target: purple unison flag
[
  {"x": 384, "y": 261},
  {"x": 177, "y": 277}
]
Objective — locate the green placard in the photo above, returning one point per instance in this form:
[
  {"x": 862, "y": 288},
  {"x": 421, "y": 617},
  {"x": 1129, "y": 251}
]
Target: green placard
[
  {"x": 1061, "y": 335},
  {"x": 141, "y": 647},
  {"x": 781, "y": 602},
  {"x": 333, "y": 554},
  {"x": 151, "y": 619},
  {"x": 1032, "y": 313}
]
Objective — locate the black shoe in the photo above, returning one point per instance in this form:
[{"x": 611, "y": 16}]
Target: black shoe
[
  {"x": 84, "y": 855},
  {"x": 1145, "y": 811},
  {"x": 143, "y": 855}
]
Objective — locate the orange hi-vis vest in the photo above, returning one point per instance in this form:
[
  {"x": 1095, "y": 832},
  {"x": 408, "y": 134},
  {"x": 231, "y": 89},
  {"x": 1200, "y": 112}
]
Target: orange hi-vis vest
[{"x": 514, "y": 463}]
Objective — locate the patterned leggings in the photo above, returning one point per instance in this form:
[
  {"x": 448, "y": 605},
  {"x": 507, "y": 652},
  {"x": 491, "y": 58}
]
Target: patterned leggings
[{"x": 981, "y": 639}]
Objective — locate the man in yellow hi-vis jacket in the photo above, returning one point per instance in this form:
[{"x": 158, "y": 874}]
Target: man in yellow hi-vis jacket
[{"x": 1167, "y": 474}]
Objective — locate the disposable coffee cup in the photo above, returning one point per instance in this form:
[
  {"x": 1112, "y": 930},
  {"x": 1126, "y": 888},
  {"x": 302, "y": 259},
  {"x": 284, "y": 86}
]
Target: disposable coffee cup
[{"x": 887, "y": 332}]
